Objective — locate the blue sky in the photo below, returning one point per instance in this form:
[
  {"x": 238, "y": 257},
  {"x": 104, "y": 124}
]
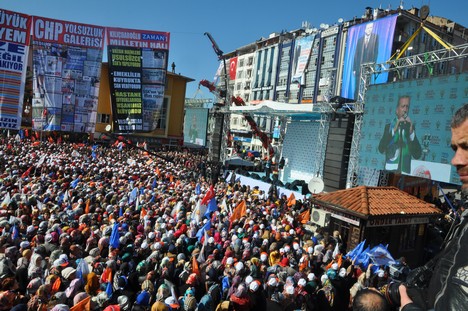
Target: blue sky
[{"x": 231, "y": 23}]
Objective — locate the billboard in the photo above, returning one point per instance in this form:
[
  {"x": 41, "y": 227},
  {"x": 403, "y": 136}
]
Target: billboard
[
  {"x": 366, "y": 43},
  {"x": 406, "y": 126},
  {"x": 195, "y": 126},
  {"x": 301, "y": 56},
  {"x": 14, "y": 50},
  {"x": 67, "y": 60},
  {"x": 137, "y": 72}
]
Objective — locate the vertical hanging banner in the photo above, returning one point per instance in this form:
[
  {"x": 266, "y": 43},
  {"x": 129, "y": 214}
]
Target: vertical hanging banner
[
  {"x": 67, "y": 59},
  {"x": 14, "y": 49},
  {"x": 137, "y": 72}
]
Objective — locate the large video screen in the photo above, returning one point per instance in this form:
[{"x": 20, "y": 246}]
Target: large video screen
[
  {"x": 406, "y": 126},
  {"x": 195, "y": 125},
  {"x": 370, "y": 42}
]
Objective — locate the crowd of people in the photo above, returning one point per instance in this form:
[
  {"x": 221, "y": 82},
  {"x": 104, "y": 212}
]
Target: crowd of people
[{"x": 100, "y": 227}]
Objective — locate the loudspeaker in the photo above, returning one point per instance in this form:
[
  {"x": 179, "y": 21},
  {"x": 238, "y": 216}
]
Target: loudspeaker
[{"x": 288, "y": 186}]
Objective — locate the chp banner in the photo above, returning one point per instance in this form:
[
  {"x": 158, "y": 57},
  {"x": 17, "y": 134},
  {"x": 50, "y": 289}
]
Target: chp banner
[
  {"x": 67, "y": 60},
  {"x": 137, "y": 72},
  {"x": 14, "y": 49}
]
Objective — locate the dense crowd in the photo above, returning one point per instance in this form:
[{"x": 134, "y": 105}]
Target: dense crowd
[{"x": 100, "y": 227}]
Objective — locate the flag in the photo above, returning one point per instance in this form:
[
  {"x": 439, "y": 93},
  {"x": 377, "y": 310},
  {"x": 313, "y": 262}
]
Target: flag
[
  {"x": 75, "y": 182},
  {"x": 157, "y": 171},
  {"x": 39, "y": 205},
  {"x": 83, "y": 305},
  {"x": 197, "y": 189},
  {"x": 142, "y": 213},
  {"x": 205, "y": 227},
  {"x": 27, "y": 172},
  {"x": 56, "y": 286},
  {"x": 6, "y": 200},
  {"x": 291, "y": 200},
  {"x": 14, "y": 232},
  {"x": 355, "y": 252},
  {"x": 201, "y": 255},
  {"x": 379, "y": 255},
  {"x": 41, "y": 160},
  {"x": 195, "y": 267},
  {"x": 224, "y": 206},
  {"x": 114, "y": 238},
  {"x": 239, "y": 211},
  {"x": 304, "y": 217},
  {"x": 208, "y": 196},
  {"x": 88, "y": 202},
  {"x": 109, "y": 290},
  {"x": 133, "y": 195},
  {"x": 363, "y": 258},
  {"x": 336, "y": 251},
  {"x": 212, "y": 207},
  {"x": 106, "y": 275}
]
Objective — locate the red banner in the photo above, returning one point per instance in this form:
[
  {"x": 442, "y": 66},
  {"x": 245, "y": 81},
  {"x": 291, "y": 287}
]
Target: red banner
[{"x": 232, "y": 68}]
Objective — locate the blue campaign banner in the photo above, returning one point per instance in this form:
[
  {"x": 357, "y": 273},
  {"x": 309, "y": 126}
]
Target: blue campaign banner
[
  {"x": 195, "y": 126},
  {"x": 420, "y": 144},
  {"x": 366, "y": 43}
]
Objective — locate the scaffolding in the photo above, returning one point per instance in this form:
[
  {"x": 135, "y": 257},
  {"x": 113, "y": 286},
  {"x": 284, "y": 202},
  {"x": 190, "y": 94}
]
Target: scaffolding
[{"x": 369, "y": 69}]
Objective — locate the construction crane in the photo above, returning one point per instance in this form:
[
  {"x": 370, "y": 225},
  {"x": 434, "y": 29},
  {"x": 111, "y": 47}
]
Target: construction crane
[{"x": 238, "y": 101}]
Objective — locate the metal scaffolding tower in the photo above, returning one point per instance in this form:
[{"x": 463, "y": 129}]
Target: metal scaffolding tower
[{"x": 368, "y": 69}]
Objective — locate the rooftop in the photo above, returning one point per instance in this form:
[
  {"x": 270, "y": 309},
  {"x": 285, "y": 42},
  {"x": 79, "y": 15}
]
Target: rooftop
[{"x": 376, "y": 201}]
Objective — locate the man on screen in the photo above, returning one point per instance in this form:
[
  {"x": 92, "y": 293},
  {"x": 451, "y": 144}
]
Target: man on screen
[
  {"x": 367, "y": 49},
  {"x": 399, "y": 142}
]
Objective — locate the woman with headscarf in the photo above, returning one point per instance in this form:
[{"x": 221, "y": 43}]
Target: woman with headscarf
[
  {"x": 40, "y": 299},
  {"x": 35, "y": 266},
  {"x": 240, "y": 300}
]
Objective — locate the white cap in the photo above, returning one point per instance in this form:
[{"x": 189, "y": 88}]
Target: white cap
[
  {"x": 230, "y": 260},
  {"x": 239, "y": 266},
  {"x": 380, "y": 273},
  {"x": 211, "y": 240},
  {"x": 272, "y": 282},
  {"x": 342, "y": 272},
  {"x": 324, "y": 278},
  {"x": 254, "y": 286},
  {"x": 334, "y": 266},
  {"x": 301, "y": 282},
  {"x": 248, "y": 279},
  {"x": 311, "y": 276}
]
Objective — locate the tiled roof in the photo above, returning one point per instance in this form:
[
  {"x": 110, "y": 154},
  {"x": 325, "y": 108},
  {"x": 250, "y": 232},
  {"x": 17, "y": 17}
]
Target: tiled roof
[{"x": 377, "y": 201}]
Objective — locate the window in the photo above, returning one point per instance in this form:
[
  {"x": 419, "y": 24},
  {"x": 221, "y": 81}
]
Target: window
[
  {"x": 240, "y": 74},
  {"x": 103, "y": 118},
  {"x": 161, "y": 116},
  {"x": 241, "y": 63},
  {"x": 250, "y": 61}
]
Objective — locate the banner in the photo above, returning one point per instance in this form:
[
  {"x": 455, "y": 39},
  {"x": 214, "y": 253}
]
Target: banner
[
  {"x": 370, "y": 42},
  {"x": 137, "y": 72},
  {"x": 301, "y": 58},
  {"x": 14, "y": 51},
  {"x": 67, "y": 60}
]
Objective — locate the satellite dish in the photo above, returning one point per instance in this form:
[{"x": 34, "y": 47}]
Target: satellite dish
[
  {"x": 108, "y": 128},
  {"x": 424, "y": 12},
  {"x": 322, "y": 26},
  {"x": 316, "y": 185},
  {"x": 340, "y": 20}
]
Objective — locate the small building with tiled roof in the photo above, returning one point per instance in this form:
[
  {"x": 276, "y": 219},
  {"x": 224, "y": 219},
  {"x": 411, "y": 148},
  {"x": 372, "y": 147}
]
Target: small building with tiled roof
[{"x": 384, "y": 215}]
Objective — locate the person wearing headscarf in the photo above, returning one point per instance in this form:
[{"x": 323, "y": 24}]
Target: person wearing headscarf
[
  {"x": 40, "y": 299},
  {"x": 35, "y": 266},
  {"x": 92, "y": 284},
  {"x": 240, "y": 299}
]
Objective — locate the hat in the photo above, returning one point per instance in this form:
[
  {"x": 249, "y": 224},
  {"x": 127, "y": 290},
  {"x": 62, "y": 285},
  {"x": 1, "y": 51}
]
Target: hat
[
  {"x": 67, "y": 272},
  {"x": 301, "y": 282},
  {"x": 334, "y": 266},
  {"x": 284, "y": 262},
  {"x": 342, "y": 272},
  {"x": 254, "y": 286}
]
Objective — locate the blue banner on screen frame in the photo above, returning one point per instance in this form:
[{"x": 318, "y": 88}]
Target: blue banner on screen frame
[
  {"x": 368, "y": 42},
  {"x": 432, "y": 103}
]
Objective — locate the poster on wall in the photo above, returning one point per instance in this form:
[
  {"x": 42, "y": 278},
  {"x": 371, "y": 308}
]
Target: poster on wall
[
  {"x": 370, "y": 42},
  {"x": 67, "y": 59},
  {"x": 14, "y": 51},
  {"x": 406, "y": 126},
  {"x": 137, "y": 72},
  {"x": 301, "y": 56}
]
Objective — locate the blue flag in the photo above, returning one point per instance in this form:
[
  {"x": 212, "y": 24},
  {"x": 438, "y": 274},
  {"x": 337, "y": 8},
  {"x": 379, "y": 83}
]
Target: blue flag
[
  {"x": 354, "y": 253},
  {"x": 14, "y": 232},
  {"x": 202, "y": 230},
  {"x": 114, "y": 238},
  {"x": 155, "y": 183},
  {"x": 379, "y": 255},
  {"x": 212, "y": 207},
  {"x": 75, "y": 182},
  {"x": 197, "y": 189},
  {"x": 133, "y": 195},
  {"x": 109, "y": 290},
  {"x": 363, "y": 258},
  {"x": 121, "y": 211}
]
